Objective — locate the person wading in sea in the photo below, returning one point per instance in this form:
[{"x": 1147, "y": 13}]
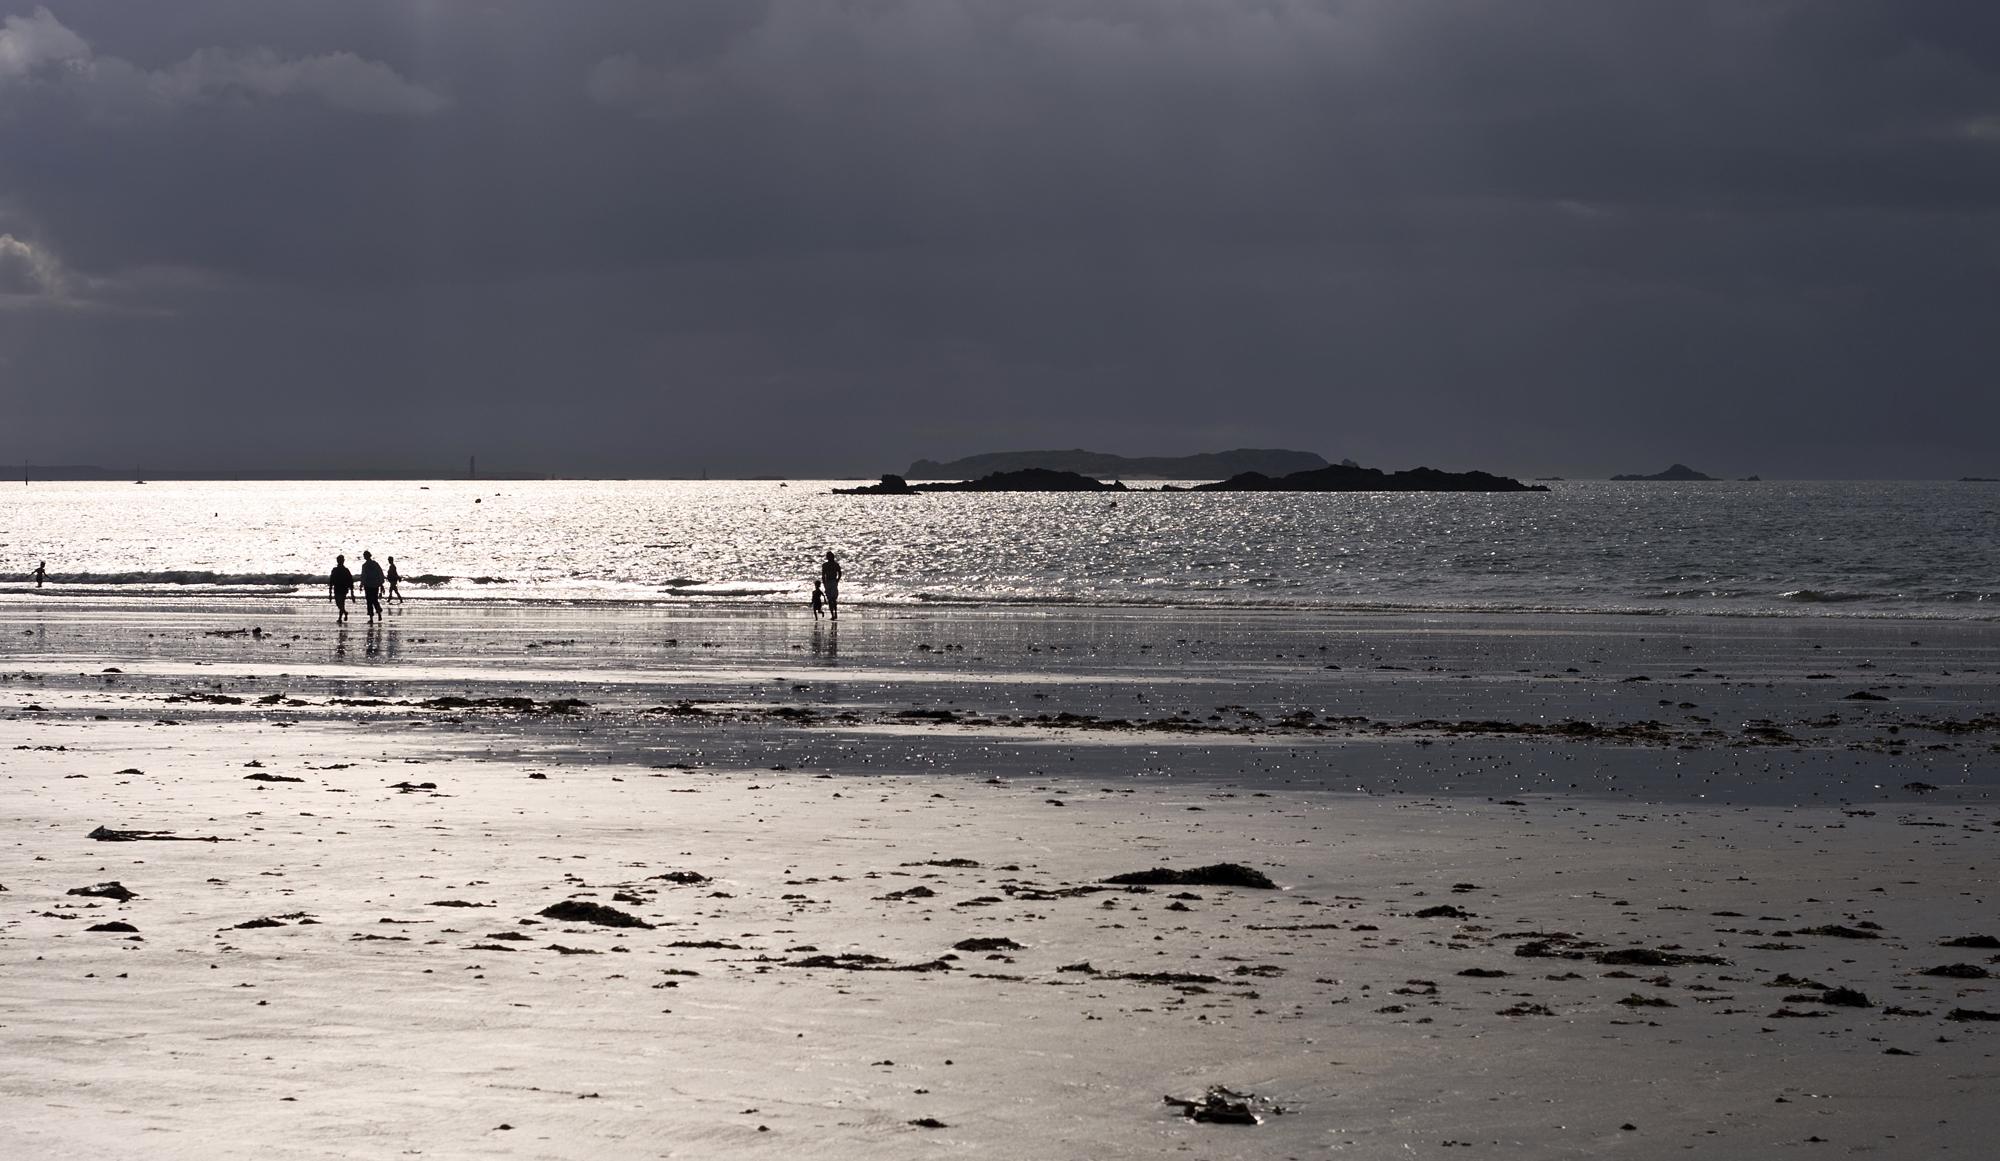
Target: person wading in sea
[
  {"x": 829, "y": 576},
  {"x": 341, "y": 583},
  {"x": 371, "y": 584}
]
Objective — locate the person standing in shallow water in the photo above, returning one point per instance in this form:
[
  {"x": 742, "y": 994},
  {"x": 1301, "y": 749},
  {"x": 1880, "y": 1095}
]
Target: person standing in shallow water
[
  {"x": 341, "y": 583},
  {"x": 42, "y": 572},
  {"x": 829, "y": 576},
  {"x": 819, "y": 599},
  {"x": 395, "y": 582},
  {"x": 371, "y": 584}
]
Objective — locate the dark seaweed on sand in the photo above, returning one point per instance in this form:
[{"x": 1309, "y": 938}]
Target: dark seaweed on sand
[
  {"x": 583, "y": 911},
  {"x": 1213, "y": 875}
]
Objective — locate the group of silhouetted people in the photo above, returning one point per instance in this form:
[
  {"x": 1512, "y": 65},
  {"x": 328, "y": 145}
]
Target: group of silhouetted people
[
  {"x": 373, "y": 581},
  {"x": 826, "y": 590}
]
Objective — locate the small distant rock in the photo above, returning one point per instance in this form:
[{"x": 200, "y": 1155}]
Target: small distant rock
[
  {"x": 1864, "y": 695},
  {"x": 111, "y": 890},
  {"x": 114, "y": 925}
]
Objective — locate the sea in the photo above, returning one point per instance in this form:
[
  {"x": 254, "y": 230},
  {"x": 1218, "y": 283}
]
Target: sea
[{"x": 1757, "y": 549}]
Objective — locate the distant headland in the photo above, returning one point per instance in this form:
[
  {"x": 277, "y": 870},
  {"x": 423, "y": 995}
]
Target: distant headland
[
  {"x": 1102, "y": 466},
  {"x": 1676, "y": 472},
  {"x": 1330, "y": 478}
]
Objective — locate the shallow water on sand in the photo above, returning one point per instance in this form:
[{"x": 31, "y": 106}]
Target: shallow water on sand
[{"x": 1732, "y": 710}]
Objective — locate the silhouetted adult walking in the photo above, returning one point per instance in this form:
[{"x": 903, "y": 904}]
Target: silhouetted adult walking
[
  {"x": 41, "y": 573},
  {"x": 371, "y": 584},
  {"x": 395, "y": 581},
  {"x": 829, "y": 576},
  {"x": 341, "y": 582}
]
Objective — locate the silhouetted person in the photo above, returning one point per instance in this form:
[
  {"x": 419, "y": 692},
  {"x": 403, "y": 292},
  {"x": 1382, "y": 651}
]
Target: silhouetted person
[
  {"x": 819, "y": 599},
  {"x": 829, "y": 575},
  {"x": 395, "y": 581},
  {"x": 42, "y": 572},
  {"x": 372, "y": 581},
  {"x": 341, "y": 582}
]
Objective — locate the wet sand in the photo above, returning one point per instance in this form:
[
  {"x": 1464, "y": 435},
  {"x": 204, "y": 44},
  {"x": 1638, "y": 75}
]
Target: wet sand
[{"x": 1662, "y": 926}]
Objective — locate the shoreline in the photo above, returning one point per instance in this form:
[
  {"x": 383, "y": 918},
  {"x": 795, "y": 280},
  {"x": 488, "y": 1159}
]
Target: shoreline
[{"x": 102, "y": 597}]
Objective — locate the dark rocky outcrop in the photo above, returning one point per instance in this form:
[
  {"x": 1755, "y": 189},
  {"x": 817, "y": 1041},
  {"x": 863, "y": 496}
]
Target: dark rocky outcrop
[
  {"x": 891, "y": 485},
  {"x": 1675, "y": 472},
  {"x": 1346, "y": 478},
  {"x": 1342, "y": 477},
  {"x": 1206, "y": 466},
  {"x": 1024, "y": 480}
]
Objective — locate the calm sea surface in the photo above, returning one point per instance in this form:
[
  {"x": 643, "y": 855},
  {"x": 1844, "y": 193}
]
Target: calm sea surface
[{"x": 1751, "y": 549}]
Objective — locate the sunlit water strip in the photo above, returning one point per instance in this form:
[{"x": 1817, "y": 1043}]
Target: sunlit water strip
[{"x": 1813, "y": 549}]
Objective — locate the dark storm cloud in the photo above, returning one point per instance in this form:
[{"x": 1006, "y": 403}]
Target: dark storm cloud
[{"x": 831, "y": 236}]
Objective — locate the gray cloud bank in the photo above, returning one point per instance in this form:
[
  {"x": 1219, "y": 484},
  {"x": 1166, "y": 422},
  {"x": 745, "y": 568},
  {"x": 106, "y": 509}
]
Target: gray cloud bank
[{"x": 791, "y": 237}]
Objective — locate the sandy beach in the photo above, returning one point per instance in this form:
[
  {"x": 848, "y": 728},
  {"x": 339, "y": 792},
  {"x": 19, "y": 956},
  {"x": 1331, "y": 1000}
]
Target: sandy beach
[{"x": 1557, "y": 886}]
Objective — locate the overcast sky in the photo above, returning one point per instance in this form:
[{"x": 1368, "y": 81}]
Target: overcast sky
[{"x": 808, "y": 237}]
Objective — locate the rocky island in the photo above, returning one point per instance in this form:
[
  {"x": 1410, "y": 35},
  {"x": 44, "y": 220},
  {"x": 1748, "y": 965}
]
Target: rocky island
[
  {"x": 1025, "y": 480},
  {"x": 1675, "y": 472},
  {"x": 1348, "y": 478},
  {"x": 1329, "y": 478},
  {"x": 1099, "y": 465}
]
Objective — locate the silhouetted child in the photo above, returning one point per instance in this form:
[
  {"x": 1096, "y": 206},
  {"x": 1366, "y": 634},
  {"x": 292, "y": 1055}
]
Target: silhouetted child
[
  {"x": 42, "y": 572},
  {"x": 395, "y": 582},
  {"x": 819, "y": 599}
]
